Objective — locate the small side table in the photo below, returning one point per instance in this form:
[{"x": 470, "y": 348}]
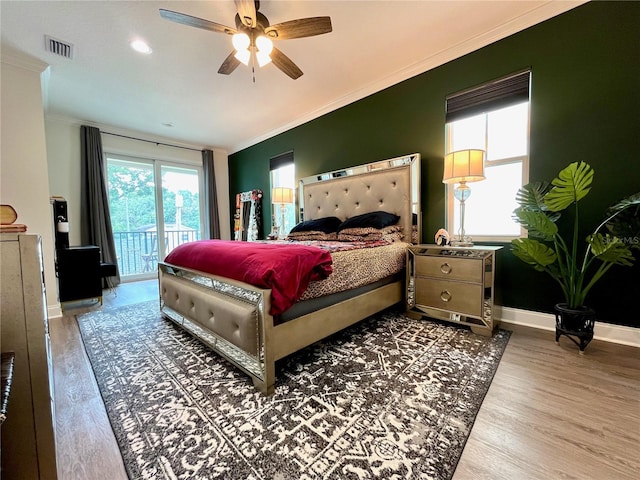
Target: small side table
[
  {"x": 79, "y": 274},
  {"x": 455, "y": 284}
]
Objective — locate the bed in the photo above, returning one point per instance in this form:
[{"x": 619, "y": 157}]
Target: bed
[{"x": 234, "y": 318}]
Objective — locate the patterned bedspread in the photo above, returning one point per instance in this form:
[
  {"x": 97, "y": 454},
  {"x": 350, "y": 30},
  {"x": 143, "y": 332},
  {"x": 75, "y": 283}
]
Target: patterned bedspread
[{"x": 356, "y": 264}]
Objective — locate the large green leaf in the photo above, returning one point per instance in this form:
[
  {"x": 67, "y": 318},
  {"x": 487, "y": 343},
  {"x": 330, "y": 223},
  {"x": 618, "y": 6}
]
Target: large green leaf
[
  {"x": 571, "y": 185},
  {"x": 531, "y": 196},
  {"x": 623, "y": 220},
  {"x": 610, "y": 249},
  {"x": 633, "y": 199},
  {"x": 538, "y": 224},
  {"x": 533, "y": 252}
]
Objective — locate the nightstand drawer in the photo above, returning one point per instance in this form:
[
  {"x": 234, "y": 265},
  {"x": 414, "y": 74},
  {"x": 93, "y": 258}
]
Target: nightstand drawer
[
  {"x": 450, "y": 268},
  {"x": 465, "y": 298}
]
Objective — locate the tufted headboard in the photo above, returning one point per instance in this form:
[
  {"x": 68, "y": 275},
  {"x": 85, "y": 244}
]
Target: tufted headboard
[{"x": 391, "y": 185}]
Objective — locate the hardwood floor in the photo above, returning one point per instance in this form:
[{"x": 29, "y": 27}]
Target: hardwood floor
[
  {"x": 549, "y": 413},
  {"x": 86, "y": 446}
]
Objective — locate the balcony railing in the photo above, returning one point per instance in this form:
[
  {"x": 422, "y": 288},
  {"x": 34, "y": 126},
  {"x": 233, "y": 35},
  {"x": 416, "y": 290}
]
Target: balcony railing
[{"x": 137, "y": 252}]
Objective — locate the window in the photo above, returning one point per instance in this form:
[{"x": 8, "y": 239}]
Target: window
[
  {"x": 155, "y": 206},
  {"x": 283, "y": 178},
  {"x": 495, "y": 118}
]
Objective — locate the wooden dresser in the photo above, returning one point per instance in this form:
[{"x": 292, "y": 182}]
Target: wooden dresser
[
  {"x": 455, "y": 284},
  {"x": 28, "y": 432}
]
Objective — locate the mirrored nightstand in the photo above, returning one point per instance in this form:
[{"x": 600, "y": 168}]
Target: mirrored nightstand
[{"x": 455, "y": 284}]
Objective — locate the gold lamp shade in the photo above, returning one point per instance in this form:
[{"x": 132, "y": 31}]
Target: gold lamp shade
[
  {"x": 282, "y": 195},
  {"x": 464, "y": 166}
]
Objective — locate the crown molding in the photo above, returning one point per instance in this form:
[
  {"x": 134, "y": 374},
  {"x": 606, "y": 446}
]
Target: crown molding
[
  {"x": 537, "y": 15},
  {"x": 11, "y": 56},
  {"x": 74, "y": 122}
]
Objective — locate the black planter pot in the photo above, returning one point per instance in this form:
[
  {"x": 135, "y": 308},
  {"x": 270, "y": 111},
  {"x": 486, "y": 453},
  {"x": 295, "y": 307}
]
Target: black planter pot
[{"x": 575, "y": 322}]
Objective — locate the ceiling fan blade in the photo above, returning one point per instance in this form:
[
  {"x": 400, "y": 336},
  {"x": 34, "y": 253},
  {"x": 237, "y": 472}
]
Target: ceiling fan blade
[
  {"x": 247, "y": 12},
  {"x": 302, "y": 27},
  {"x": 196, "y": 22},
  {"x": 230, "y": 64},
  {"x": 285, "y": 64}
]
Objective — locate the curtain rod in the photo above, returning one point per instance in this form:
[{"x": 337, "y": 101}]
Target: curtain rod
[{"x": 151, "y": 141}]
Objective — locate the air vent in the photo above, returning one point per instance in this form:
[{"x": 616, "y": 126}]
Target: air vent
[{"x": 58, "y": 47}]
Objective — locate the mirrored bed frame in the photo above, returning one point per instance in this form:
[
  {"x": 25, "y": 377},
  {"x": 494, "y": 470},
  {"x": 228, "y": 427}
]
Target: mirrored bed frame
[{"x": 233, "y": 318}]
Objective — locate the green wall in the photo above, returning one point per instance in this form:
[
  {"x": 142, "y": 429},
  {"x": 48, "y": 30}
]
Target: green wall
[{"x": 585, "y": 105}]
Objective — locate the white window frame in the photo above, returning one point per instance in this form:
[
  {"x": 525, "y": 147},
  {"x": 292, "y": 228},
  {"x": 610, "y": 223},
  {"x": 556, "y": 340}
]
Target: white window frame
[
  {"x": 452, "y": 205},
  {"x": 290, "y": 209}
]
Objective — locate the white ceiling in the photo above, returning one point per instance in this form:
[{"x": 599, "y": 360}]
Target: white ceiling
[{"x": 374, "y": 44}]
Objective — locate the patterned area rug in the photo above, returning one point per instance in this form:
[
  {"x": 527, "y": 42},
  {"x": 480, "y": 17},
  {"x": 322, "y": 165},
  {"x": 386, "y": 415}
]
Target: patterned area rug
[{"x": 389, "y": 398}]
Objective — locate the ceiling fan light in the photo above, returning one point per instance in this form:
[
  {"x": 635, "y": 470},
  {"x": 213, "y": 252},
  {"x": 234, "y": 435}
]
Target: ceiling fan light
[
  {"x": 264, "y": 44},
  {"x": 240, "y": 41},
  {"x": 263, "y": 58},
  {"x": 243, "y": 55}
]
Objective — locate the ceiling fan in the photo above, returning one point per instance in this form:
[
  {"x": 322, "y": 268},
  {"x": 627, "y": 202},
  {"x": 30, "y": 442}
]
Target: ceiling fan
[{"x": 253, "y": 35}]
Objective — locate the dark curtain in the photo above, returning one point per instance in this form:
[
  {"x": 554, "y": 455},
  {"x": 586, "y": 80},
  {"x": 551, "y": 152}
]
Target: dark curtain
[
  {"x": 210, "y": 197},
  {"x": 95, "y": 219}
]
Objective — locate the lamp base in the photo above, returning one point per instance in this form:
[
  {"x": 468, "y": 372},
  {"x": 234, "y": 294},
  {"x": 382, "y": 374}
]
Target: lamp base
[
  {"x": 461, "y": 242},
  {"x": 454, "y": 243}
]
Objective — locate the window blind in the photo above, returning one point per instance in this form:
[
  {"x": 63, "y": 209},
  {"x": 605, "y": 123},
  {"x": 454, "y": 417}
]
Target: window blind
[
  {"x": 499, "y": 93},
  {"x": 281, "y": 160}
]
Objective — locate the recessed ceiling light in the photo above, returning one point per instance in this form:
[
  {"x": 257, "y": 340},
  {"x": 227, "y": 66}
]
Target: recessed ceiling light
[{"x": 141, "y": 46}]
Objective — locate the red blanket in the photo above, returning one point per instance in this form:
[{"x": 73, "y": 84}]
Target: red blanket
[{"x": 285, "y": 269}]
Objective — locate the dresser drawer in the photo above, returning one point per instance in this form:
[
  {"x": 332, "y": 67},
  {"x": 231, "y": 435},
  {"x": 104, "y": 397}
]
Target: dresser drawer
[
  {"x": 449, "y": 268},
  {"x": 465, "y": 298}
]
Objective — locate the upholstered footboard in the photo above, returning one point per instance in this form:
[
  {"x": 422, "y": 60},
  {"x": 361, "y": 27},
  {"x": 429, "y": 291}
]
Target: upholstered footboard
[{"x": 227, "y": 315}]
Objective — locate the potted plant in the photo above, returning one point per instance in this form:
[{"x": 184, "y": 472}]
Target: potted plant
[{"x": 575, "y": 265}]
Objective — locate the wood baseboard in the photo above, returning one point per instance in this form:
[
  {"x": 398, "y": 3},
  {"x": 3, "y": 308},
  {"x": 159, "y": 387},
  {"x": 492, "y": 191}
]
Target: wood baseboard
[
  {"x": 54, "y": 311},
  {"x": 607, "y": 332}
]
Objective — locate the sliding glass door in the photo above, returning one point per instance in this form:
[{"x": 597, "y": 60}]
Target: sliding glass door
[
  {"x": 181, "y": 206},
  {"x": 149, "y": 218}
]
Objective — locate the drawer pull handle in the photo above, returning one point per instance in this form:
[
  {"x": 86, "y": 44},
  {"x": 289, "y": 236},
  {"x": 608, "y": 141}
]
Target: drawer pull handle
[
  {"x": 445, "y": 295},
  {"x": 445, "y": 268}
]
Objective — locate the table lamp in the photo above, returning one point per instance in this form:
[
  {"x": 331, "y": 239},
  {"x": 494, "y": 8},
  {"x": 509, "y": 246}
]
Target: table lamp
[
  {"x": 463, "y": 166},
  {"x": 282, "y": 196}
]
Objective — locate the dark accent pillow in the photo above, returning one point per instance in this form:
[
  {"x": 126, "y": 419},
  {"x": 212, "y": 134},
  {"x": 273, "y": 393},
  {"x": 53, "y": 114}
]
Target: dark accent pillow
[
  {"x": 326, "y": 225},
  {"x": 377, "y": 219}
]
